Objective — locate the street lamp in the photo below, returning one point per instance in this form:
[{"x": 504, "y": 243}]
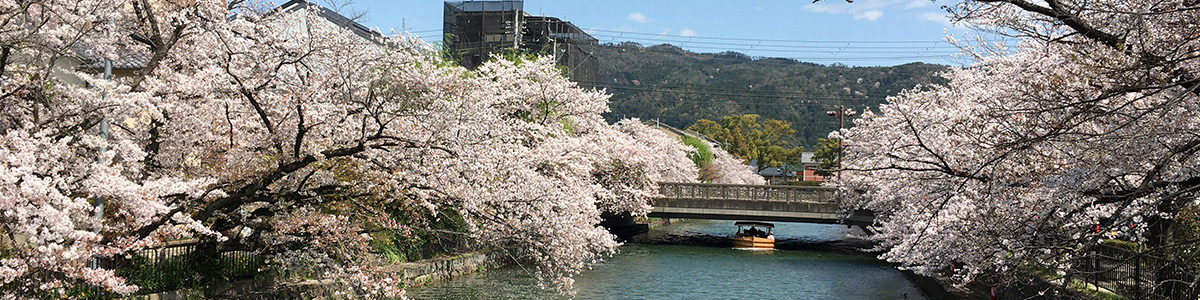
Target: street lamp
[{"x": 841, "y": 113}]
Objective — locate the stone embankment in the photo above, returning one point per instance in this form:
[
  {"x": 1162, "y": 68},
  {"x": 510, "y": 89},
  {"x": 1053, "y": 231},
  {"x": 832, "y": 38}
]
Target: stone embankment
[
  {"x": 415, "y": 274},
  {"x": 423, "y": 272}
]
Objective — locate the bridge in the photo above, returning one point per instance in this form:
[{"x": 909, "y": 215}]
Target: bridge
[{"x": 777, "y": 203}]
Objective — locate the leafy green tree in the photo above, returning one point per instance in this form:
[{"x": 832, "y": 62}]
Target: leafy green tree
[
  {"x": 827, "y": 155},
  {"x": 703, "y": 154},
  {"x": 1185, "y": 232},
  {"x": 748, "y": 138}
]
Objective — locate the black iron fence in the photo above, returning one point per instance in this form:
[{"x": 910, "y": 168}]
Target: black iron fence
[
  {"x": 174, "y": 267},
  {"x": 1137, "y": 275}
]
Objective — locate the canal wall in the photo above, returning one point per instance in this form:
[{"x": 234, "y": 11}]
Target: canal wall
[
  {"x": 937, "y": 288},
  {"x": 423, "y": 272},
  {"x": 940, "y": 287},
  {"x": 414, "y": 274}
]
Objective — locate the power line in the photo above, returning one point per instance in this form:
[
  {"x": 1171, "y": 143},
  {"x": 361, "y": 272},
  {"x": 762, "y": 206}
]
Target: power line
[
  {"x": 899, "y": 56},
  {"x": 935, "y": 45},
  {"x": 759, "y": 60},
  {"x": 834, "y": 52},
  {"x": 770, "y": 59},
  {"x": 423, "y": 31},
  {"x": 723, "y": 90},
  {"x": 774, "y": 40},
  {"x": 765, "y": 47},
  {"x": 811, "y": 101}
]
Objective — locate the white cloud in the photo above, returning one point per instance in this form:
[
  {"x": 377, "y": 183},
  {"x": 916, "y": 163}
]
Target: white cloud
[
  {"x": 758, "y": 8},
  {"x": 870, "y": 10},
  {"x": 870, "y": 15},
  {"x": 638, "y": 17},
  {"x": 917, "y": 4},
  {"x": 933, "y": 17},
  {"x": 687, "y": 32}
]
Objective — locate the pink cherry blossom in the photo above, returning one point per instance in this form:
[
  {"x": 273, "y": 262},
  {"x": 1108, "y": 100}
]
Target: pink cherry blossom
[
  {"x": 285, "y": 132},
  {"x": 1083, "y": 130}
]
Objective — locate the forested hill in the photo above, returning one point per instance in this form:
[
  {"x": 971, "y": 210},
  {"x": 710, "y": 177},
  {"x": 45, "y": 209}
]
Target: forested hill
[{"x": 679, "y": 87}]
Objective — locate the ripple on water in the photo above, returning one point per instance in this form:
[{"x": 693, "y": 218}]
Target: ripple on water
[{"x": 683, "y": 272}]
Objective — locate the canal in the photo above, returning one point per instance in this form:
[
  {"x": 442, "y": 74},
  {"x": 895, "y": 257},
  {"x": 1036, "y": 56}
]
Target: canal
[{"x": 690, "y": 272}]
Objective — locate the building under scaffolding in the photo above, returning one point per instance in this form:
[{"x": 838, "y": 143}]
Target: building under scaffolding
[{"x": 473, "y": 30}]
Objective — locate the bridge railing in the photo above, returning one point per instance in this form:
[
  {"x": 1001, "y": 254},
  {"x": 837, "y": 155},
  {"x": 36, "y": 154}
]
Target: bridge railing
[{"x": 747, "y": 197}]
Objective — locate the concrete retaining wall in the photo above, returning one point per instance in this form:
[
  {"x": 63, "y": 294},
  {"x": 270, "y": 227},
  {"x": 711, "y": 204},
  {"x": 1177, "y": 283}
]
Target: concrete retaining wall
[
  {"x": 935, "y": 289},
  {"x": 432, "y": 270}
]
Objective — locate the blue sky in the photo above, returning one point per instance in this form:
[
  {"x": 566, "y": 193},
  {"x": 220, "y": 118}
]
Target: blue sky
[{"x": 863, "y": 33}]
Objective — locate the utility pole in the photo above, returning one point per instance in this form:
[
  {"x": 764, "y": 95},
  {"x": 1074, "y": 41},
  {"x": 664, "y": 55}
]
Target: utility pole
[
  {"x": 99, "y": 212},
  {"x": 841, "y": 113},
  {"x": 841, "y": 125}
]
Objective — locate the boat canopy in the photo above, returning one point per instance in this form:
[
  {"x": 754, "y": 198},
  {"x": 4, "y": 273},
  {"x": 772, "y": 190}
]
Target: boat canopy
[{"x": 755, "y": 224}]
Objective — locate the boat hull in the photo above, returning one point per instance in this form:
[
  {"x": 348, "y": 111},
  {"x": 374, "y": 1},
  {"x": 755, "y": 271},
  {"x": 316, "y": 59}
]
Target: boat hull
[{"x": 750, "y": 242}]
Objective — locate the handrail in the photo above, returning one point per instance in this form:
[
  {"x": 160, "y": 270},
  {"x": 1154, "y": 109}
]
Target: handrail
[
  {"x": 755, "y": 193},
  {"x": 795, "y": 187},
  {"x": 684, "y": 132}
]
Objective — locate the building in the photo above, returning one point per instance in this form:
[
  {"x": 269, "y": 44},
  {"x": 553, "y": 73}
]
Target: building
[
  {"x": 474, "y": 30},
  {"x": 809, "y": 173},
  {"x": 333, "y": 17},
  {"x": 805, "y": 172}
]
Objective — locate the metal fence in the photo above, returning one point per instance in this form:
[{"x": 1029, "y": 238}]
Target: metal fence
[
  {"x": 767, "y": 193},
  {"x": 173, "y": 267},
  {"x": 1138, "y": 275}
]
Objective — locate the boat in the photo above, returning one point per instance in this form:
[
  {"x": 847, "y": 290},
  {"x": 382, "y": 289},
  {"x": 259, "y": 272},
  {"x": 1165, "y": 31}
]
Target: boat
[{"x": 752, "y": 236}]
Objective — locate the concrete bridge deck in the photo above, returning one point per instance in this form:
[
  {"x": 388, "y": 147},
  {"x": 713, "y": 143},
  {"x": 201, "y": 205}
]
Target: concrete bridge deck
[{"x": 753, "y": 202}]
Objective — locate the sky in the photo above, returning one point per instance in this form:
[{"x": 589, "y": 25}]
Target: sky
[{"x": 863, "y": 33}]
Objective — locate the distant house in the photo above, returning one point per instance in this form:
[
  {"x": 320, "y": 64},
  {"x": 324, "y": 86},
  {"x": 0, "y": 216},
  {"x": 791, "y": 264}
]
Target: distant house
[
  {"x": 332, "y": 17},
  {"x": 809, "y": 174},
  {"x": 805, "y": 172}
]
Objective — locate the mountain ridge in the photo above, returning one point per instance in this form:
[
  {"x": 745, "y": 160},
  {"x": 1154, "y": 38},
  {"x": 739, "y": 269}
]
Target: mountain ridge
[{"x": 678, "y": 87}]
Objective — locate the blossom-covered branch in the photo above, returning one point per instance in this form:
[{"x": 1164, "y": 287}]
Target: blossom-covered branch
[{"x": 1085, "y": 130}]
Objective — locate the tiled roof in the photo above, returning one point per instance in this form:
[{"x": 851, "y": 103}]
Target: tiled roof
[
  {"x": 334, "y": 17},
  {"x": 129, "y": 59}
]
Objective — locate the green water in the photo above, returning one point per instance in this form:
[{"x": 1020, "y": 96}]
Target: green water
[{"x": 685, "y": 272}]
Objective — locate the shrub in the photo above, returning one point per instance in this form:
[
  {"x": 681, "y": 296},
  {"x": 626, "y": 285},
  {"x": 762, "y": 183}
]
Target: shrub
[{"x": 703, "y": 154}]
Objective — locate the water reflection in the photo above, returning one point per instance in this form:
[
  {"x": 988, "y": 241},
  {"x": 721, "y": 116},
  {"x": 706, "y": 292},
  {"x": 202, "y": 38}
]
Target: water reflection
[
  {"x": 803, "y": 231},
  {"x": 683, "y": 272}
]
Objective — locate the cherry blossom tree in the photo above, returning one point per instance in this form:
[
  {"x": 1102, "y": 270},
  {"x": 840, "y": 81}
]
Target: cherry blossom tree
[
  {"x": 285, "y": 133},
  {"x": 1086, "y": 129},
  {"x": 728, "y": 169},
  {"x": 55, "y": 161}
]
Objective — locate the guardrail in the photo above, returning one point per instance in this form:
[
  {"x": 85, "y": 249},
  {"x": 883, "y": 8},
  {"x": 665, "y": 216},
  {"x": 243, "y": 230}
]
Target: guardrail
[
  {"x": 748, "y": 197},
  {"x": 684, "y": 132},
  {"x": 1138, "y": 275},
  {"x": 169, "y": 267},
  {"x": 771, "y": 193}
]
